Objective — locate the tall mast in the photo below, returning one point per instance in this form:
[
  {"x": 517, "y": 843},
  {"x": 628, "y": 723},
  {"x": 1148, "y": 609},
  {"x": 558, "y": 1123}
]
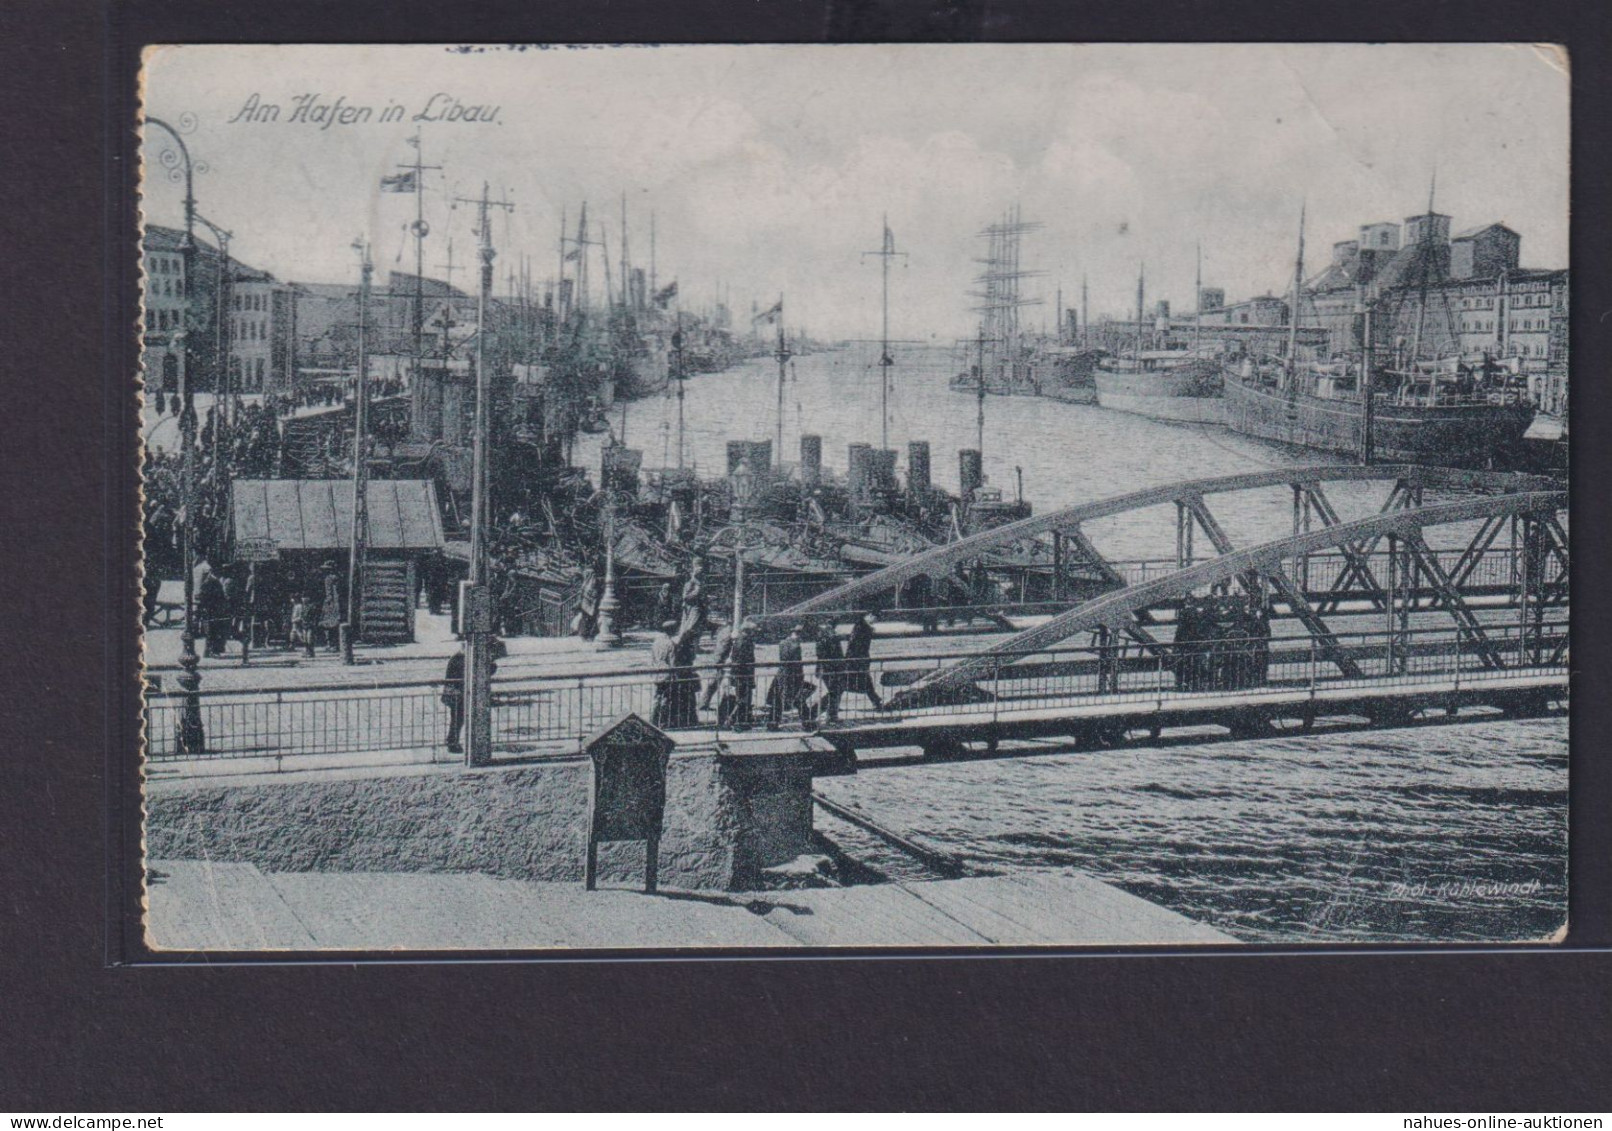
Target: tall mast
[
  {"x": 1085, "y": 313},
  {"x": 1141, "y": 276},
  {"x": 652, "y": 283},
  {"x": 1293, "y": 315},
  {"x": 559, "y": 279},
  {"x": 626, "y": 286},
  {"x": 1197, "y": 318},
  {"x": 1058, "y": 322},
  {"x": 884, "y": 340},
  {"x": 783, "y": 363},
  {"x": 419, "y": 229},
  {"x": 887, "y": 251},
  {"x": 582, "y": 259},
  {"x": 1000, "y": 293},
  {"x": 979, "y": 418},
  {"x": 1424, "y": 254},
  {"x": 677, "y": 361}
]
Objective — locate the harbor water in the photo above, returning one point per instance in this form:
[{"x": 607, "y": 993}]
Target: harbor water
[{"x": 1449, "y": 832}]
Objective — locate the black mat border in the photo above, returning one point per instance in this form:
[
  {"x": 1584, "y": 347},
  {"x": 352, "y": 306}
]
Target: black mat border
[{"x": 1421, "y": 1030}]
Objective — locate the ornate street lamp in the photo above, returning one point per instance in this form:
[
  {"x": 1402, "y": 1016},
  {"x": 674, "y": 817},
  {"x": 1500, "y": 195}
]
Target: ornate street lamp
[
  {"x": 190, "y": 738},
  {"x": 743, "y": 483},
  {"x": 609, "y": 605}
]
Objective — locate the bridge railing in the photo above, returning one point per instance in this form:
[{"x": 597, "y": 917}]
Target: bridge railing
[
  {"x": 772, "y": 592},
  {"x": 555, "y": 711}
]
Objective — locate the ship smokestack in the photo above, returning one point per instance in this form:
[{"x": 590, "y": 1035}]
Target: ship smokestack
[
  {"x": 970, "y": 470},
  {"x": 918, "y": 465},
  {"x": 811, "y": 459}
]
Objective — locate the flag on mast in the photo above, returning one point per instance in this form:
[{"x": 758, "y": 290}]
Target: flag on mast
[{"x": 399, "y": 182}]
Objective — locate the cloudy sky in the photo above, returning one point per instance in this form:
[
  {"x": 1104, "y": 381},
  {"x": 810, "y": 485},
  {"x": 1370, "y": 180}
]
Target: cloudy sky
[{"x": 769, "y": 167}]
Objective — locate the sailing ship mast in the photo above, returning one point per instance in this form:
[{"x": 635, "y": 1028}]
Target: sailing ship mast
[
  {"x": 1293, "y": 315},
  {"x": 1423, "y": 252},
  {"x": 1141, "y": 308},
  {"x": 1001, "y": 301},
  {"x": 1197, "y": 316},
  {"x": 886, "y": 253},
  {"x": 420, "y": 229},
  {"x": 783, "y": 369},
  {"x": 979, "y": 423},
  {"x": 1085, "y": 313}
]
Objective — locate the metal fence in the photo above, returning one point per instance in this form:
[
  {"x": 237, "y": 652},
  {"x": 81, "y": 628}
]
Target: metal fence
[{"x": 534, "y": 711}]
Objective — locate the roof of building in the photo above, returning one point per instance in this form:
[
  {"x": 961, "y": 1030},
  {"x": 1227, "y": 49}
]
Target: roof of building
[
  {"x": 159, "y": 237},
  {"x": 339, "y": 291},
  {"x": 1474, "y": 233},
  {"x": 317, "y": 514},
  {"x": 403, "y": 282}
]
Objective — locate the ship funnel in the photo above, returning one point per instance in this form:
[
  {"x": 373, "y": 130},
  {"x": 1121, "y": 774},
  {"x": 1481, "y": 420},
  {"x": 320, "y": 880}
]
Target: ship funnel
[
  {"x": 917, "y": 465},
  {"x": 970, "y": 470},
  {"x": 811, "y": 459}
]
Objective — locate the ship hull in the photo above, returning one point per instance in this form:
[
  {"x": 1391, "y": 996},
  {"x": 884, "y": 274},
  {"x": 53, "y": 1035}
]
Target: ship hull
[
  {"x": 1450, "y": 435},
  {"x": 1162, "y": 395},
  {"x": 1072, "y": 394}
]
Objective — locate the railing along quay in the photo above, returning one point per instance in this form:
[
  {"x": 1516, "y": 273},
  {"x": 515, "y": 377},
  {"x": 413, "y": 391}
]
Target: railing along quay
[{"x": 531, "y": 711}]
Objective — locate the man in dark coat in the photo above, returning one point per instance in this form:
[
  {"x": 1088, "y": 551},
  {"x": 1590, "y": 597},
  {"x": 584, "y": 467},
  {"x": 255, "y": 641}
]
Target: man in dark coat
[
  {"x": 858, "y": 668},
  {"x": 736, "y": 664},
  {"x": 663, "y": 657},
  {"x": 453, "y": 698},
  {"x": 453, "y": 691},
  {"x": 789, "y": 681},
  {"x": 212, "y": 608},
  {"x": 685, "y": 680},
  {"x": 831, "y": 670}
]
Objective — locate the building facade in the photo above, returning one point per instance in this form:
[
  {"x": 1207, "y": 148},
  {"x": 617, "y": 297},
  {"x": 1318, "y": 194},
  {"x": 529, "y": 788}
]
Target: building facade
[
  {"x": 227, "y": 310},
  {"x": 263, "y": 336},
  {"x": 1430, "y": 295},
  {"x": 164, "y": 307}
]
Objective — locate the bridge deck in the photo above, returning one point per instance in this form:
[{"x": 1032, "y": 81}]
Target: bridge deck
[{"x": 1386, "y": 697}]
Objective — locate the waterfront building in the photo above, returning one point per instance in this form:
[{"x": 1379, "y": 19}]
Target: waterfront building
[
  {"x": 259, "y": 322},
  {"x": 162, "y": 297},
  {"x": 1443, "y": 296},
  {"x": 262, "y": 332}
]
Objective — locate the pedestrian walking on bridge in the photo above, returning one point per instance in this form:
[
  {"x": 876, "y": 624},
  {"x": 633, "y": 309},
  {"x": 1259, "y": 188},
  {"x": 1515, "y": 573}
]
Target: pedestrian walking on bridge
[{"x": 858, "y": 666}]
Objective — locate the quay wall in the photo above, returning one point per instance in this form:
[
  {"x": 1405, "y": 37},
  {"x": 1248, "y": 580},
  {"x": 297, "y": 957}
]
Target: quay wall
[{"x": 726, "y": 819}]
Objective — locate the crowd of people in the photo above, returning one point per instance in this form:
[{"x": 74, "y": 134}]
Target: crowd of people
[{"x": 842, "y": 667}]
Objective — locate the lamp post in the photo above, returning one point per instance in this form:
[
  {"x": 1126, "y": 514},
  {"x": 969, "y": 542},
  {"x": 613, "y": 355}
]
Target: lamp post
[
  {"x": 360, "y": 529},
  {"x": 1367, "y": 391},
  {"x": 743, "y": 482},
  {"x": 607, "y": 636},
  {"x": 190, "y": 738},
  {"x": 475, "y": 604}
]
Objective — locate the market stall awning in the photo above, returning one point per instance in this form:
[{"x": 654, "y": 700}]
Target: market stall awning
[{"x": 317, "y": 514}]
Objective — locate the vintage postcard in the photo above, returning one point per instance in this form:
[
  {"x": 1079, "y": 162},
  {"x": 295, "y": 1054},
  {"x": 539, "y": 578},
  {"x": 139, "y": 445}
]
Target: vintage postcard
[{"x": 931, "y": 496}]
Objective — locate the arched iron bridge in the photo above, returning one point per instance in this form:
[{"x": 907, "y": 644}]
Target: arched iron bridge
[{"x": 1409, "y": 579}]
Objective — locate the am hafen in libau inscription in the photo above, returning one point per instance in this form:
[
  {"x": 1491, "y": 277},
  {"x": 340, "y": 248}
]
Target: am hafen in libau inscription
[{"x": 323, "y": 112}]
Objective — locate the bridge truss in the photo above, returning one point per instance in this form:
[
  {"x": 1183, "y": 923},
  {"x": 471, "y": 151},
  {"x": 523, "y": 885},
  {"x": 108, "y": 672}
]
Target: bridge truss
[{"x": 1388, "y": 570}]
